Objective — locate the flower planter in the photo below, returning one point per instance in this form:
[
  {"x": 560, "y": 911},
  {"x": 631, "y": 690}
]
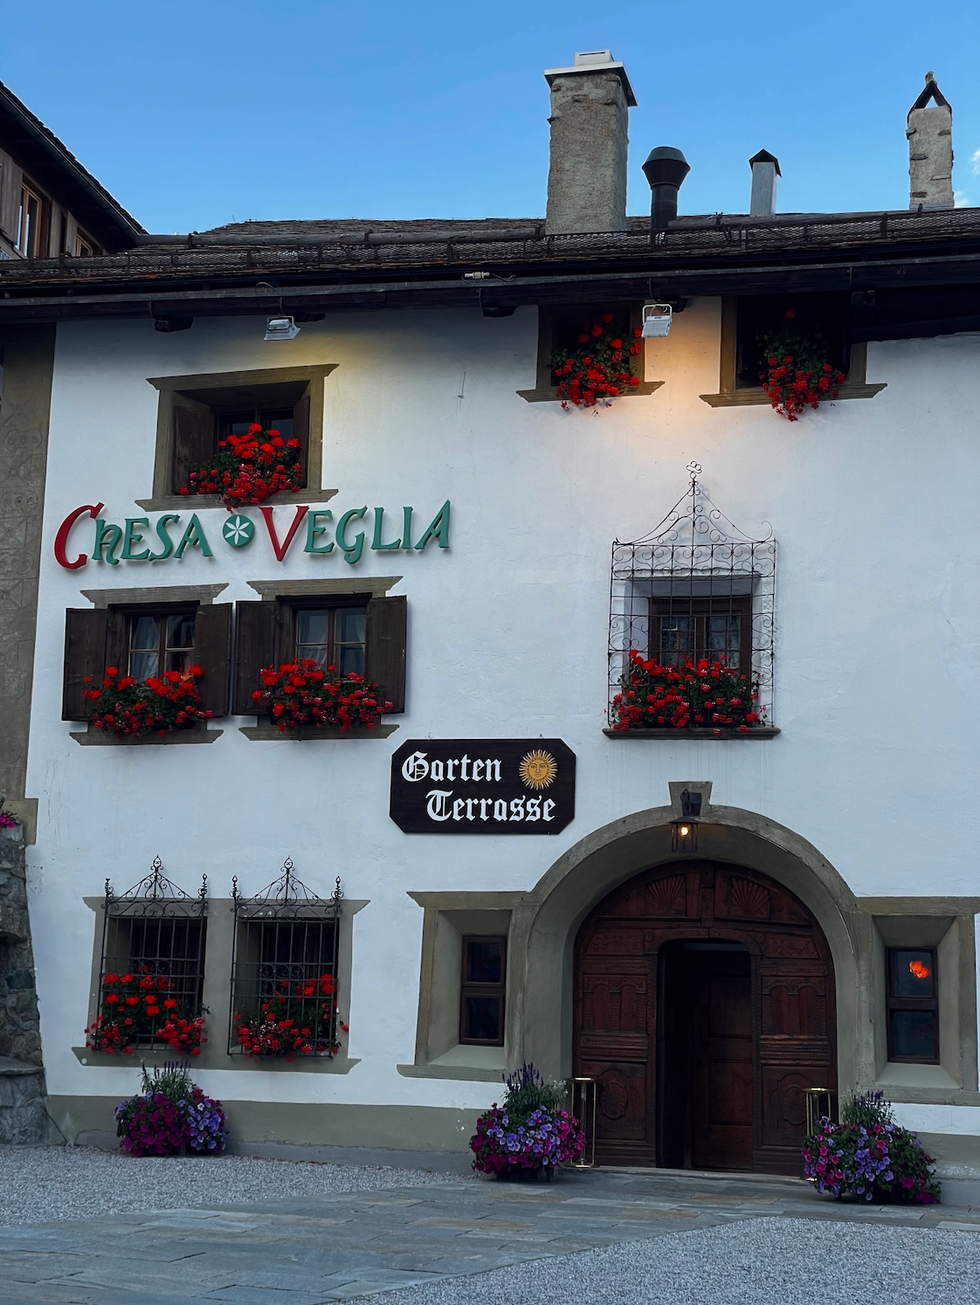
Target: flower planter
[
  {"x": 129, "y": 708},
  {"x": 248, "y": 469},
  {"x": 303, "y": 696},
  {"x": 695, "y": 696}
]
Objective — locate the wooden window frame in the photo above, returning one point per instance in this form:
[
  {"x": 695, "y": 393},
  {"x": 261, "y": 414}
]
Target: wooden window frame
[
  {"x": 332, "y": 603},
  {"x": 470, "y": 989},
  {"x": 549, "y": 317},
  {"x": 160, "y": 611},
  {"x": 28, "y": 191},
  {"x": 99, "y": 637},
  {"x": 729, "y": 395},
  {"x": 189, "y": 395},
  {"x": 895, "y": 1004},
  {"x": 265, "y": 634},
  {"x": 733, "y": 605}
]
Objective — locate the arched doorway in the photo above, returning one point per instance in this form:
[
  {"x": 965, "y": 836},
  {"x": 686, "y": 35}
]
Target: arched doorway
[{"x": 704, "y": 1006}]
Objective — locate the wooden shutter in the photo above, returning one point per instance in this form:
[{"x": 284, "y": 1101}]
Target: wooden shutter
[
  {"x": 193, "y": 440},
  {"x": 255, "y": 648},
  {"x": 301, "y": 432},
  {"x": 212, "y": 652},
  {"x": 387, "y": 637},
  {"x": 11, "y": 180},
  {"x": 85, "y": 655}
]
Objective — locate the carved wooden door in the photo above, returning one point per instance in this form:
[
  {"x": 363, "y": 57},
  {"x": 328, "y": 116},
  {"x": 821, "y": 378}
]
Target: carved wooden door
[{"x": 621, "y": 1030}]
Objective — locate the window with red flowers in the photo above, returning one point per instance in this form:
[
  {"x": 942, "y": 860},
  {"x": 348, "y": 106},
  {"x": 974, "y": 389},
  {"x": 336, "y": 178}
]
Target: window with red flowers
[
  {"x": 353, "y": 633},
  {"x": 147, "y": 640},
  {"x": 561, "y": 328},
  {"x": 151, "y": 973},
  {"x": 284, "y": 971}
]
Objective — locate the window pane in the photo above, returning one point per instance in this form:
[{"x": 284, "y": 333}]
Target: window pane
[
  {"x": 351, "y": 624},
  {"x": 481, "y": 1018},
  {"x": 913, "y": 973},
  {"x": 280, "y": 421},
  {"x": 484, "y": 962},
  {"x": 676, "y": 639},
  {"x": 723, "y": 638},
  {"x": 180, "y": 630},
  {"x": 144, "y": 647},
  {"x": 350, "y": 660},
  {"x": 312, "y": 627},
  {"x": 914, "y": 1034}
]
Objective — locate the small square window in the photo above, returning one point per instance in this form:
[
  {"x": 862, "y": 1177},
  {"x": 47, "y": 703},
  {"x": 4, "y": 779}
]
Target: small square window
[
  {"x": 913, "y": 1008},
  {"x": 481, "y": 1006}
]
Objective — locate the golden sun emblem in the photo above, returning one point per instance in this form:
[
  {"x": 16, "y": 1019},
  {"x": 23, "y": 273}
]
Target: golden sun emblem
[{"x": 538, "y": 769}]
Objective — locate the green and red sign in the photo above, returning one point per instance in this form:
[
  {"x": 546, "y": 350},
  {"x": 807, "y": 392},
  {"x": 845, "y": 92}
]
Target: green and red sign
[{"x": 311, "y": 530}]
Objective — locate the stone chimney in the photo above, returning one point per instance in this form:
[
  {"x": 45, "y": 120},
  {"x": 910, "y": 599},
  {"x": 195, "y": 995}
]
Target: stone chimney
[
  {"x": 765, "y": 170},
  {"x": 590, "y": 104},
  {"x": 930, "y": 133}
]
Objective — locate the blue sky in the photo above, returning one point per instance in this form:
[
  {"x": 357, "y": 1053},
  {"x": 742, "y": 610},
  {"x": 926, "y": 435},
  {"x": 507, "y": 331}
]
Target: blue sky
[{"x": 194, "y": 114}]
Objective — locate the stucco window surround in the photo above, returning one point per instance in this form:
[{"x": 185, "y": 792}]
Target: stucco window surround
[
  {"x": 191, "y": 391},
  {"x": 949, "y": 925},
  {"x": 730, "y": 395},
  {"x": 545, "y": 921},
  {"x": 250, "y": 652},
  {"x": 106, "y": 600},
  {"x": 438, "y": 1050},
  {"x": 548, "y": 329},
  {"x": 217, "y": 998}
]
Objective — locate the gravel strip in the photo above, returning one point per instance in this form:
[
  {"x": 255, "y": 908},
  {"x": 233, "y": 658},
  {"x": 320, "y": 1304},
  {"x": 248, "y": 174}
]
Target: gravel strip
[
  {"x": 753, "y": 1262},
  {"x": 39, "y": 1184}
]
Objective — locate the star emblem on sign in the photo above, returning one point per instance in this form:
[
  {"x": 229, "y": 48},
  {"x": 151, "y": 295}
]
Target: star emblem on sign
[{"x": 238, "y": 530}]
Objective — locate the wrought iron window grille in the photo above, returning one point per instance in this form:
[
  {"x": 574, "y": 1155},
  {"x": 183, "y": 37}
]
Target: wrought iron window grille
[
  {"x": 696, "y": 586},
  {"x": 154, "y": 935},
  {"x": 285, "y": 955}
]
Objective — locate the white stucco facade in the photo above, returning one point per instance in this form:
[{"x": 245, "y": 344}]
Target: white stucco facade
[{"x": 877, "y": 642}]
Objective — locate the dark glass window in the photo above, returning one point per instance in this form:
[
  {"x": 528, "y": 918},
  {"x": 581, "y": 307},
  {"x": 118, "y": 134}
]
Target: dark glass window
[
  {"x": 717, "y": 628},
  {"x": 332, "y": 636},
  {"x": 758, "y": 315},
  {"x": 237, "y": 423},
  {"x": 913, "y": 1007},
  {"x": 481, "y": 1007},
  {"x": 161, "y": 642}
]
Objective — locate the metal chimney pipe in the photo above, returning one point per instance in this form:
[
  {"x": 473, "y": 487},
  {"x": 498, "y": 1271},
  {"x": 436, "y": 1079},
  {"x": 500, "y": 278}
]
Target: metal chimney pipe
[
  {"x": 765, "y": 170},
  {"x": 665, "y": 170}
]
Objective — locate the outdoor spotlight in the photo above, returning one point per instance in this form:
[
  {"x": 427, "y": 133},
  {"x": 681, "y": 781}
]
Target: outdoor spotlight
[
  {"x": 656, "y": 320},
  {"x": 683, "y": 836},
  {"x": 281, "y": 328}
]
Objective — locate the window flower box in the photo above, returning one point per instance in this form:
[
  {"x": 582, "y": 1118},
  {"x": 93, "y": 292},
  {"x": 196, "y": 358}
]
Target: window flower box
[
  {"x": 129, "y": 708},
  {"x": 248, "y": 469},
  {"x": 302, "y": 695},
  {"x": 698, "y": 695}
]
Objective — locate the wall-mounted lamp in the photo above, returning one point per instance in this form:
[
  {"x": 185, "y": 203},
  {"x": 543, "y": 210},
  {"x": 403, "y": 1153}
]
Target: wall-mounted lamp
[
  {"x": 281, "y": 328},
  {"x": 656, "y": 321},
  {"x": 683, "y": 836},
  {"x": 684, "y": 832}
]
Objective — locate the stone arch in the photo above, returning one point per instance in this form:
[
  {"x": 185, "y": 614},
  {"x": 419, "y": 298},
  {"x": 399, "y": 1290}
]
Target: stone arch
[{"x": 546, "y": 924}]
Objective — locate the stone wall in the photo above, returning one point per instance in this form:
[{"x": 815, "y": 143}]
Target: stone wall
[{"x": 23, "y": 1118}]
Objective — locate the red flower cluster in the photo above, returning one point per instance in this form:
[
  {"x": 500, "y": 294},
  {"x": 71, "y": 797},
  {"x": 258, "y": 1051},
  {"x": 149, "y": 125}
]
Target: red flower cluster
[
  {"x": 302, "y": 695},
  {"x": 129, "y": 707},
  {"x": 133, "y": 1006},
  {"x": 797, "y": 375},
  {"x": 248, "y": 469},
  {"x": 599, "y": 369},
  {"x": 697, "y": 695},
  {"x": 300, "y": 1019},
  {"x": 184, "y": 1036}
]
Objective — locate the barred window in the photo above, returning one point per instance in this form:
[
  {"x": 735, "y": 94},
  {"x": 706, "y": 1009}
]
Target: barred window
[
  {"x": 151, "y": 974},
  {"x": 284, "y": 971},
  {"x": 696, "y": 588}
]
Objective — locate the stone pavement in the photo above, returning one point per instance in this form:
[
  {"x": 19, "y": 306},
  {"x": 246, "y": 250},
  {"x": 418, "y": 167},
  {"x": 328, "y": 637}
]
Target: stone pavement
[{"x": 342, "y": 1247}]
